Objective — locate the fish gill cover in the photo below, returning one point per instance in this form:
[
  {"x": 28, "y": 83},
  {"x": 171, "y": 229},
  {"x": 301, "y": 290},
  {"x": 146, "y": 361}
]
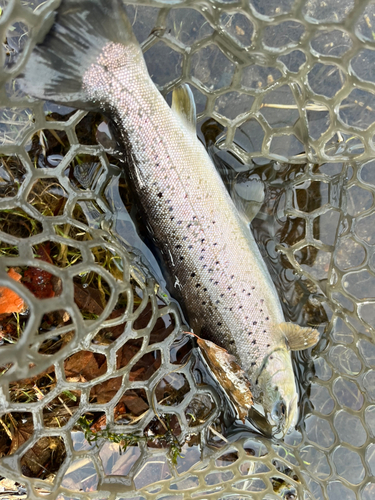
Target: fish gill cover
[{"x": 102, "y": 396}]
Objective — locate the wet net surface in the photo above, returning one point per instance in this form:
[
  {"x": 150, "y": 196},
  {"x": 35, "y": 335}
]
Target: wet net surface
[{"x": 101, "y": 395}]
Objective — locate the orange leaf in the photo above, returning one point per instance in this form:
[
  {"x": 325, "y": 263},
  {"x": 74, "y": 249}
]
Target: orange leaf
[{"x": 10, "y": 302}]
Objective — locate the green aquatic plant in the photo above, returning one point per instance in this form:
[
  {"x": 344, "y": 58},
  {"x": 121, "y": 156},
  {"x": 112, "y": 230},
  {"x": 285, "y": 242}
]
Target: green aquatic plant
[{"x": 126, "y": 440}]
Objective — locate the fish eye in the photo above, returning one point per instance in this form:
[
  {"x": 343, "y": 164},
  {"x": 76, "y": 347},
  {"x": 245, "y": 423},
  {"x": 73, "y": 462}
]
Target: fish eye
[
  {"x": 283, "y": 408},
  {"x": 279, "y": 411}
]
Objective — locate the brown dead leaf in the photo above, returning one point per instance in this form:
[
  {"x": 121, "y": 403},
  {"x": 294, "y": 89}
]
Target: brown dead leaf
[
  {"x": 20, "y": 435},
  {"x": 127, "y": 352},
  {"x": 99, "y": 424},
  {"x": 229, "y": 374},
  {"x": 134, "y": 402},
  {"x": 145, "y": 367},
  {"x": 103, "y": 393},
  {"x": 88, "y": 299},
  {"x": 85, "y": 364},
  {"x": 44, "y": 458}
]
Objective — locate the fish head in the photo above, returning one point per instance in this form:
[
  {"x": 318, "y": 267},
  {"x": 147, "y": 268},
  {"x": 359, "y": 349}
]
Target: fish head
[{"x": 277, "y": 393}]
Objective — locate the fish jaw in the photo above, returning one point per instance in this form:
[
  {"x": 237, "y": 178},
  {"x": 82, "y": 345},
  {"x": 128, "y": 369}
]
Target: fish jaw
[{"x": 276, "y": 391}]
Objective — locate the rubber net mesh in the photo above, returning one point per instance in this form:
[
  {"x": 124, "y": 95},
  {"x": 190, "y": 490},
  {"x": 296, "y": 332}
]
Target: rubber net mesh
[{"x": 101, "y": 395}]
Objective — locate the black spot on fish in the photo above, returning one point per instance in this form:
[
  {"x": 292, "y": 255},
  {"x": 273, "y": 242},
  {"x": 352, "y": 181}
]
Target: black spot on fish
[
  {"x": 178, "y": 246},
  {"x": 254, "y": 342},
  {"x": 204, "y": 303},
  {"x": 192, "y": 275},
  {"x": 201, "y": 257},
  {"x": 219, "y": 324},
  {"x": 170, "y": 209},
  {"x": 205, "y": 289},
  {"x": 253, "y": 363},
  {"x": 197, "y": 285},
  {"x": 202, "y": 240},
  {"x": 267, "y": 318},
  {"x": 160, "y": 195},
  {"x": 254, "y": 322},
  {"x": 231, "y": 342},
  {"x": 181, "y": 257},
  {"x": 268, "y": 345},
  {"x": 190, "y": 247},
  {"x": 172, "y": 218}
]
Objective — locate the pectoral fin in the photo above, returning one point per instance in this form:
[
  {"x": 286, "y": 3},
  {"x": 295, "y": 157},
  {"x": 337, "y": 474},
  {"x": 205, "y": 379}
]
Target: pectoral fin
[
  {"x": 299, "y": 337},
  {"x": 183, "y": 105},
  {"x": 248, "y": 196}
]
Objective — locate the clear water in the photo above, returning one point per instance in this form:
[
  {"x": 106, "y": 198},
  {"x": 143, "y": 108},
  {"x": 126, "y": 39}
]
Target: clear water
[{"x": 292, "y": 100}]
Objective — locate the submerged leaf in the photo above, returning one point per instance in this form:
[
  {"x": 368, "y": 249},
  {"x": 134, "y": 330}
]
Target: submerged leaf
[{"x": 229, "y": 374}]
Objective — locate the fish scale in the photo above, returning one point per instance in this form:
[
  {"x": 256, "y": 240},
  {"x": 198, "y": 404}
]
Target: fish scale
[
  {"x": 91, "y": 60},
  {"x": 207, "y": 246}
]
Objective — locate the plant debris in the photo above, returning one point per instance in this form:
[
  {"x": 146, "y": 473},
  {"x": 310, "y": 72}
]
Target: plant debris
[{"x": 229, "y": 374}]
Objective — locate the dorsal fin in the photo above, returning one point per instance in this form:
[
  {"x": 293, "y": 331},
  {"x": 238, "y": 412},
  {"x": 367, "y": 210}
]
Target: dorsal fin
[
  {"x": 248, "y": 196},
  {"x": 299, "y": 337},
  {"x": 183, "y": 105}
]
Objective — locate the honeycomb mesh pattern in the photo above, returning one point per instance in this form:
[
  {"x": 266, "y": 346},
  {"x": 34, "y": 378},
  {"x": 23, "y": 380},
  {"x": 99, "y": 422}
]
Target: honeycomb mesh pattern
[{"x": 291, "y": 84}]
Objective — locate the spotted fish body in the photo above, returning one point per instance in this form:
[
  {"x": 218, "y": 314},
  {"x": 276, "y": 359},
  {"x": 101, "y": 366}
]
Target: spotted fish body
[{"x": 206, "y": 244}]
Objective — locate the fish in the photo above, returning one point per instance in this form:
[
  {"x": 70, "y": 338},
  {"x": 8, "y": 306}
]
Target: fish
[{"x": 89, "y": 58}]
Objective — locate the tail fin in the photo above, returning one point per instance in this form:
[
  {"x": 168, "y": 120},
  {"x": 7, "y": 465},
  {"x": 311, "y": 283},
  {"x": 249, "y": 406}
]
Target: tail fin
[{"x": 56, "y": 66}]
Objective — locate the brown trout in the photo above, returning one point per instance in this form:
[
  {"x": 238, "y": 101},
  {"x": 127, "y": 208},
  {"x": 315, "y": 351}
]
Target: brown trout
[{"x": 90, "y": 59}]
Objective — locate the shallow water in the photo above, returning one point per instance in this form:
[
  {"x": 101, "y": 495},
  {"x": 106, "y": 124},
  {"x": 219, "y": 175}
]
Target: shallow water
[{"x": 272, "y": 86}]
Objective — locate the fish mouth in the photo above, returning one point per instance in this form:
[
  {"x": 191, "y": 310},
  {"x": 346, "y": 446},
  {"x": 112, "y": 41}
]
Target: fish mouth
[
  {"x": 258, "y": 418},
  {"x": 264, "y": 424}
]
